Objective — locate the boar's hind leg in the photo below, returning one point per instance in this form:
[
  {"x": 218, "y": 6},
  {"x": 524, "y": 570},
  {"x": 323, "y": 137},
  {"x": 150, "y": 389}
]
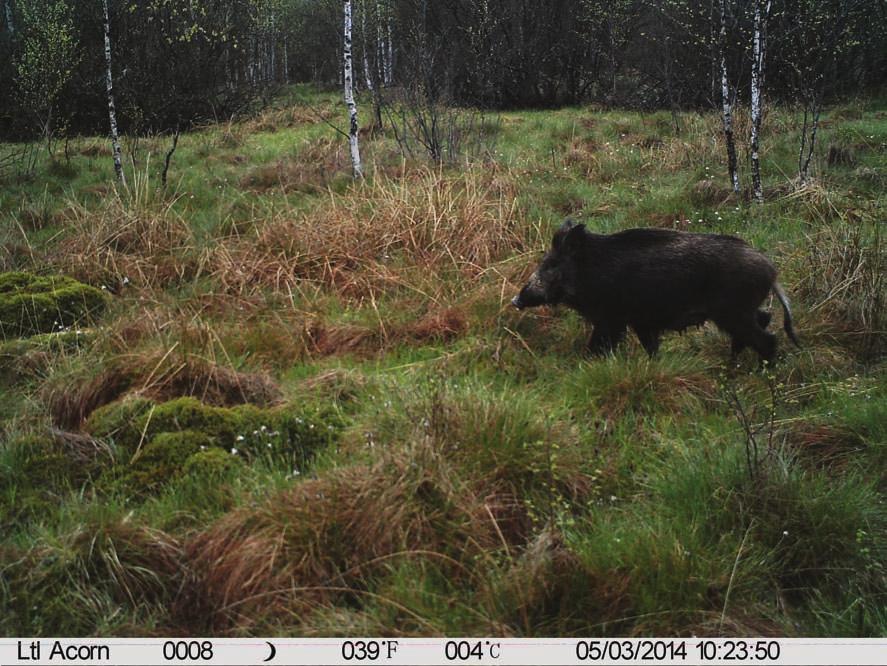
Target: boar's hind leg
[
  {"x": 605, "y": 337},
  {"x": 763, "y": 318},
  {"x": 649, "y": 339},
  {"x": 747, "y": 332}
]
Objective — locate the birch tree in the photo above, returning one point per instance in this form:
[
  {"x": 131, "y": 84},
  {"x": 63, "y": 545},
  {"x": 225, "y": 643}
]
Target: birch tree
[
  {"x": 727, "y": 99},
  {"x": 822, "y": 32},
  {"x": 46, "y": 60},
  {"x": 109, "y": 86},
  {"x": 349, "y": 95},
  {"x": 762, "y": 11},
  {"x": 10, "y": 19},
  {"x": 388, "y": 52}
]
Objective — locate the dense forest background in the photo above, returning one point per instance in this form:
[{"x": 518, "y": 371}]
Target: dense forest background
[{"x": 177, "y": 63}]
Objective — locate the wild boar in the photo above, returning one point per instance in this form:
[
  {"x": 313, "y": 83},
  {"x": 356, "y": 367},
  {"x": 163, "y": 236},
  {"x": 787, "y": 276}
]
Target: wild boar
[{"x": 657, "y": 280}]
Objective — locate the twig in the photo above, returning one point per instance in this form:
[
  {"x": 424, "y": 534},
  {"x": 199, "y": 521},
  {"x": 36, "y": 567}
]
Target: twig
[{"x": 169, "y": 154}]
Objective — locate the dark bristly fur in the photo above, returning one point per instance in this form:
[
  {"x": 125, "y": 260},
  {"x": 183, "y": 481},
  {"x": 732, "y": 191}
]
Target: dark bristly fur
[{"x": 656, "y": 280}]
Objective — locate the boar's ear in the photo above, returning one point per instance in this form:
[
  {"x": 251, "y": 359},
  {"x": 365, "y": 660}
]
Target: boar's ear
[
  {"x": 563, "y": 232},
  {"x": 571, "y": 239}
]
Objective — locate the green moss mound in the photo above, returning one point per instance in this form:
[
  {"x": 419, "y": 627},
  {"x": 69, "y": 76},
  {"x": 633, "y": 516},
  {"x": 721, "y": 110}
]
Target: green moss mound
[
  {"x": 212, "y": 464},
  {"x": 160, "y": 462},
  {"x": 187, "y": 438},
  {"x": 253, "y": 431},
  {"x": 121, "y": 422},
  {"x": 32, "y": 304}
]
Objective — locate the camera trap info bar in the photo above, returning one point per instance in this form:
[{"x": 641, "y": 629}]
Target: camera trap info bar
[{"x": 434, "y": 651}]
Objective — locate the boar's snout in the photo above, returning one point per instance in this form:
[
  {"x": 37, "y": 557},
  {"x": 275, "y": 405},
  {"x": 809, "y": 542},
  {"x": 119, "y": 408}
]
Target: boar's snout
[{"x": 533, "y": 294}]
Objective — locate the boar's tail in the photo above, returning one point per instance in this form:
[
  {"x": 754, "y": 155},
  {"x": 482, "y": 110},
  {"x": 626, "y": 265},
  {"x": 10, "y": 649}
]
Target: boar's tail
[{"x": 786, "y": 314}]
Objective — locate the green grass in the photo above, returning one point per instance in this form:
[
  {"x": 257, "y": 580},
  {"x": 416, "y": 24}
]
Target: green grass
[{"x": 481, "y": 475}]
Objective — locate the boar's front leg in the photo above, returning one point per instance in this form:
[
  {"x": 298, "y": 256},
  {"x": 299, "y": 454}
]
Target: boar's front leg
[
  {"x": 649, "y": 338},
  {"x": 605, "y": 337}
]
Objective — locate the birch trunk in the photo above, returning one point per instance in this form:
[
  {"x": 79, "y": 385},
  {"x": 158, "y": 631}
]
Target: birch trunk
[
  {"x": 762, "y": 10},
  {"x": 389, "y": 61},
  {"x": 10, "y": 21},
  {"x": 366, "y": 61},
  {"x": 349, "y": 96},
  {"x": 726, "y": 101},
  {"x": 112, "y": 113},
  {"x": 286, "y": 59}
]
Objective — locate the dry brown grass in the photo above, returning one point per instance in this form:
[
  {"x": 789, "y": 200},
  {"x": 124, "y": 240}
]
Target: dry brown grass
[
  {"x": 385, "y": 234},
  {"x": 655, "y": 390},
  {"x": 824, "y": 445},
  {"x": 843, "y": 278},
  {"x": 71, "y": 396},
  {"x": 140, "y": 241},
  {"x": 709, "y": 193},
  {"x": 548, "y": 577},
  {"x": 136, "y": 564},
  {"x": 581, "y": 153},
  {"x": 437, "y": 325},
  {"x": 319, "y": 541},
  {"x": 93, "y": 149},
  {"x": 271, "y": 120},
  {"x": 310, "y": 170}
]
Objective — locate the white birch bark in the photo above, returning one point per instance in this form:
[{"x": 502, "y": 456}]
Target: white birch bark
[
  {"x": 726, "y": 101},
  {"x": 762, "y": 10},
  {"x": 112, "y": 113},
  {"x": 366, "y": 61},
  {"x": 286, "y": 59},
  {"x": 349, "y": 96},
  {"x": 10, "y": 21},
  {"x": 389, "y": 60}
]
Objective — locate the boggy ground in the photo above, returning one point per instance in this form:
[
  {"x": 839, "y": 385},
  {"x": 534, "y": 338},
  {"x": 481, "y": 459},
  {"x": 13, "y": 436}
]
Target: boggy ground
[{"x": 307, "y": 407}]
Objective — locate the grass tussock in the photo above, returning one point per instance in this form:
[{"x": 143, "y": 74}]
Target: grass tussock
[
  {"x": 134, "y": 237},
  {"x": 95, "y": 565},
  {"x": 310, "y": 170},
  {"x": 321, "y": 540},
  {"x": 75, "y": 390},
  {"x": 373, "y": 236},
  {"x": 844, "y": 269}
]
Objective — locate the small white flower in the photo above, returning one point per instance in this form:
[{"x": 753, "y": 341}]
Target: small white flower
[
  {"x": 202, "y": 447},
  {"x": 239, "y": 438},
  {"x": 233, "y": 452},
  {"x": 784, "y": 532},
  {"x": 263, "y": 428}
]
